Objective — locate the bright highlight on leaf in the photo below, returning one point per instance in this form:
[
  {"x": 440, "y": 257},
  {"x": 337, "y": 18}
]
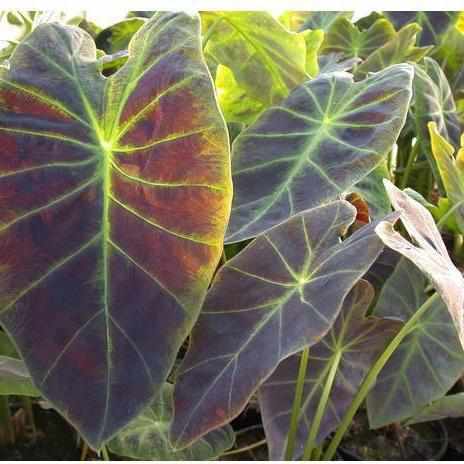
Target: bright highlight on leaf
[
  {"x": 282, "y": 292},
  {"x": 429, "y": 254},
  {"x": 353, "y": 343},
  {"x": 115, "y": 194},
  {"x": 324, "y": 138}
]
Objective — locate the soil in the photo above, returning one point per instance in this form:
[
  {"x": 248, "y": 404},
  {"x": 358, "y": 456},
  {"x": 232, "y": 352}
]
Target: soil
[{"x": 56, "y": 440}]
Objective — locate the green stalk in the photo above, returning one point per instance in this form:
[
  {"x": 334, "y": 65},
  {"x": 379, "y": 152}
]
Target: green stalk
[
  {"x": 316, "y": 422},
  {"x": 27, "y": 404},
  {"x": 371, "y": 377},
  {"x": 105, "y": 455},
  {"x": 411, "y": 159},
  {"x": 296, "y": 405},
  {"x": 317, "y": 453},
  {"x": 5, "y": 420}
]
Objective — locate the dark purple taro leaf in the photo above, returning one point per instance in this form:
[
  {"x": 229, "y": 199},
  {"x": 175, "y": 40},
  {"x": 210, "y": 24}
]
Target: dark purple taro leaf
[
  {"x": 427, "y": 362},
  {"x": 324, "y": 138},
  {"x": 280, "y": 294},
  {"x": 114, "y": 195},
  {"x": 359, "y": 339},
  {"x": 429, "y": 255},
  {"x": 433, "y": 23}
]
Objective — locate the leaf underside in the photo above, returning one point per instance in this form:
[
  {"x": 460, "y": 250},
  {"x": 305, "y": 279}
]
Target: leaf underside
[
  {"x": 297, "y": 271},
  {"x": 360, "y": 339},
  {"x": 115, "y": 195},
  {"x": 429, "y": 254},
  {"x": 324, "y": 138}
]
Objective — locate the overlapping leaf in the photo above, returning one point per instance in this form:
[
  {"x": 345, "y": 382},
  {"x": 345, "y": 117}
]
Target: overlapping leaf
[
  {"x": 266, "y": 59},
  {"x": 427, "y": 362},
  {"x": 146, "y": 437},
  {"x": 399, "y": 49},
  {"x": 447, "y": 406},
  {"x": 324, "y": 19},
  {"x": 433, "y": 23},
  {"x": 297, "y": 271},
  {"x": 451, "y": 171},
  {"x": 358, "y": 340},
  {"x": 433, "y": 101},
  {"x": 429, "y": 255},
  {"x": 344, "y": 37},
  {"x": 117, "y": 37},
  {"x": 324, "y": 138},
  {"x": 114, "y": 197},
  {"x": 372, "y": 190}
]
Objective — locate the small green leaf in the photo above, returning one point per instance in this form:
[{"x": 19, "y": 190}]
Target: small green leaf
[
  {"x": 450, "y": 173},
  {"x": 344, "y": 37},
  {"x": 236, "y": 104},
  {"x": 15, "y": 378},
  {"x": 399, "y": 49},
  {"x": 313, "y": 40},
  {"x": 266, "y": 59},
  {"x": 117, "y": 37},
  {"x": 146, "y": 437},
  {"x": 447, "y": 406}
]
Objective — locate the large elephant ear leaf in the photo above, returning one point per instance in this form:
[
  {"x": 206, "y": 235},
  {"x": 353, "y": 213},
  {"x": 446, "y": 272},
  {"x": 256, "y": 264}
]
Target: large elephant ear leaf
[
  {"x": 352, "y": 344},
  {"x": 115, "y": 195},
  {"x": 297, "y": 271},
  {"x": 427, "y": 362},
  {"x": 398, "y": 49},
  {"x": 344, "y": 37},
  {"x": 266, "y": 59},
  {"x": 429, "y": 254},
  {"x": 146, "y": 437},
  {"x": 324, "y": 138}
]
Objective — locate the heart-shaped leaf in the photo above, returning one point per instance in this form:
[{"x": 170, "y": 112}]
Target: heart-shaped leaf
[
  {"x": 353, "y": 343},
  {"x": 146, "y": 437},
  {"x": 344, "y": 37},
  {"x": 399, "y": 49},
  {"x": 429, "y": 255},
  {"x": 427, "y": 362},
  {"x": 15, "y": 378},
  {"x": 115, "y": 195},
  {"x": 297, "y": 271},
  {"x": 327, "y": 135}
]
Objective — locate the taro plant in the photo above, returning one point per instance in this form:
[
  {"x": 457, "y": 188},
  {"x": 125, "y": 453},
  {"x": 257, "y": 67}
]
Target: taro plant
[{"x": 151, "y": 307}]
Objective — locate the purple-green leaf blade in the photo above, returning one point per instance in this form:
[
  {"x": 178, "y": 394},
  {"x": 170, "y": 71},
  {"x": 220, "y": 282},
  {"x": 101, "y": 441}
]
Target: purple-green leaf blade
[
  {"x": 324, "y": 138},
  {"x": 297, "y": 271}
]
